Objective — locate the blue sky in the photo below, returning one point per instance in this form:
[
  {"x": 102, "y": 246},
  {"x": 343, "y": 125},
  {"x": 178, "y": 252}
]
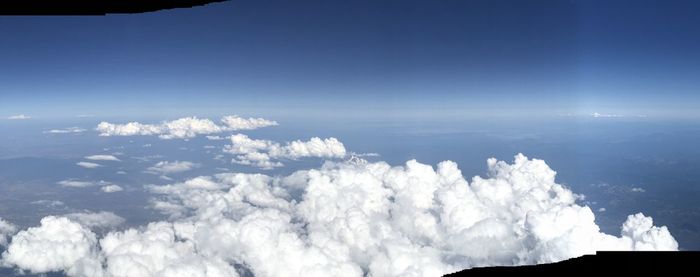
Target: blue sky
[{"x": 382, "y": 58}]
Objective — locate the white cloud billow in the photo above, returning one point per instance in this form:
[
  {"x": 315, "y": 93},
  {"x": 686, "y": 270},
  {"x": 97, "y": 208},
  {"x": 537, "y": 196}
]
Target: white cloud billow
[
  {"x": 345, "y": 219},
  {"x": 187, "y": 127},
  {"x": 59, "y": 244},
  {"x": 70, "y": 130},
  {"x": 102, "y": 158},
  {"x": 166, "y": 167},
  {"x": 266, "y": 154}
]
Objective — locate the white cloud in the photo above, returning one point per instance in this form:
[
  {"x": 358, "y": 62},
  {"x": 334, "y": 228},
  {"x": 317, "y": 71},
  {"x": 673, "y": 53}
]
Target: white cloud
[
  {"x": 102, "y": 158},
  {"x": 105, "y": 186},
  {"x": 76, "y": 184},
  {"x": 6, "y": 231},
  {"x": 347, "y": 219},
  {"x": 57, "y": 245},
  {"x": 235, "y": 123},
  {"x": 49, "y": 203},
  {"x": 266, "y": 154},
  {"x": 121, "y": 172},
  {"x": 371, "y": 218},
  {"x": 111, "y": 188},
  {"x": 638, "y": 190},
  {"x": 88, "y": 164},
  {"x": 102, "y": 220},
  {"x": 186, "y": 127},
  {"x": 602, "y": 210},
  {"x": 69, "y": 130},
  {"x": 166, "y": 167},
  {"x": 18, "y": 117},
  {"x": 600, "y": 115},
  {"x": 157, "y": 251},
  {"x": 215, "y": 138}
]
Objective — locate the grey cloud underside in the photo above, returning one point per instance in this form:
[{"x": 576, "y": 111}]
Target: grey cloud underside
[{"x": 343, "y": 219}]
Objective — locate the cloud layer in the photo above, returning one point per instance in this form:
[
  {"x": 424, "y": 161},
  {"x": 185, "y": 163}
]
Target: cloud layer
[
  {"x": 343, "y": 219},
  {"x": 266, "y": 154},
  {"x": 186, "y": 127}
]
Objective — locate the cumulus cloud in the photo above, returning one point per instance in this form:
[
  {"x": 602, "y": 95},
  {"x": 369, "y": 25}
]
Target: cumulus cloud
[
  {"x": 68, "y": 130},
  {"x": 18, "y": 117},
  {"x": 6, "y": 230},
  {"x": 638, "y": 190},
  {"x": 111, "y": 188},
  {"x": 266, "y": 154},
  {"x": 101, "y": 220},
  {"x": 186, "y": 127},
  {"x": 88, "y": 164},
  {"x": 166, "y": 167},
  {"x": 357, "y": 219},
  {"x": 58, "y": 244},
  {"x": 102, "y": 158},
  {"x": 346, "y": 219}
]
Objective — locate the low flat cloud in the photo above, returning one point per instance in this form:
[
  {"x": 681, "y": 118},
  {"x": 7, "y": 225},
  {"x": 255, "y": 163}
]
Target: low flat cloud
[
  {"x": 102, "y": 158},
  {"x": 187, "y": 127},
  {"x": 88, "y": 165},
  {"x": 18, "y": 117},
  {"x": 69, "y": 130},
  {"x": 167, "y": 167},
  {"x": 638, "y": 190}
]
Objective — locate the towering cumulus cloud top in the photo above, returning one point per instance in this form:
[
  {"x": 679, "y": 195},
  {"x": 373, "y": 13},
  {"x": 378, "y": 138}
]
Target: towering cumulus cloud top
[
  {"x": 343, "y": 219},
  {"x": 186, "y": 127}
]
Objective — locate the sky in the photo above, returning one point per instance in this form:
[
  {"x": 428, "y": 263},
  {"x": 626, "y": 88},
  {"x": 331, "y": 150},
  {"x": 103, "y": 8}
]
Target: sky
[
  {"x": 347, "y": 138},
  {"x": 386, "y": 58}
]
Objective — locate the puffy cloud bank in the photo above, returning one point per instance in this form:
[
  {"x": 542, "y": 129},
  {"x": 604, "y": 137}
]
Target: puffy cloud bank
[
  {"x": 266, "y": 154},
  {"x": 343, "y": 219},
  {"x": 186, "y": 127}
]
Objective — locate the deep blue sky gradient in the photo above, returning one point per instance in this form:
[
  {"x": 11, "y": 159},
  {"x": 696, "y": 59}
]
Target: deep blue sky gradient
[{"x": 375, "y": 58}]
